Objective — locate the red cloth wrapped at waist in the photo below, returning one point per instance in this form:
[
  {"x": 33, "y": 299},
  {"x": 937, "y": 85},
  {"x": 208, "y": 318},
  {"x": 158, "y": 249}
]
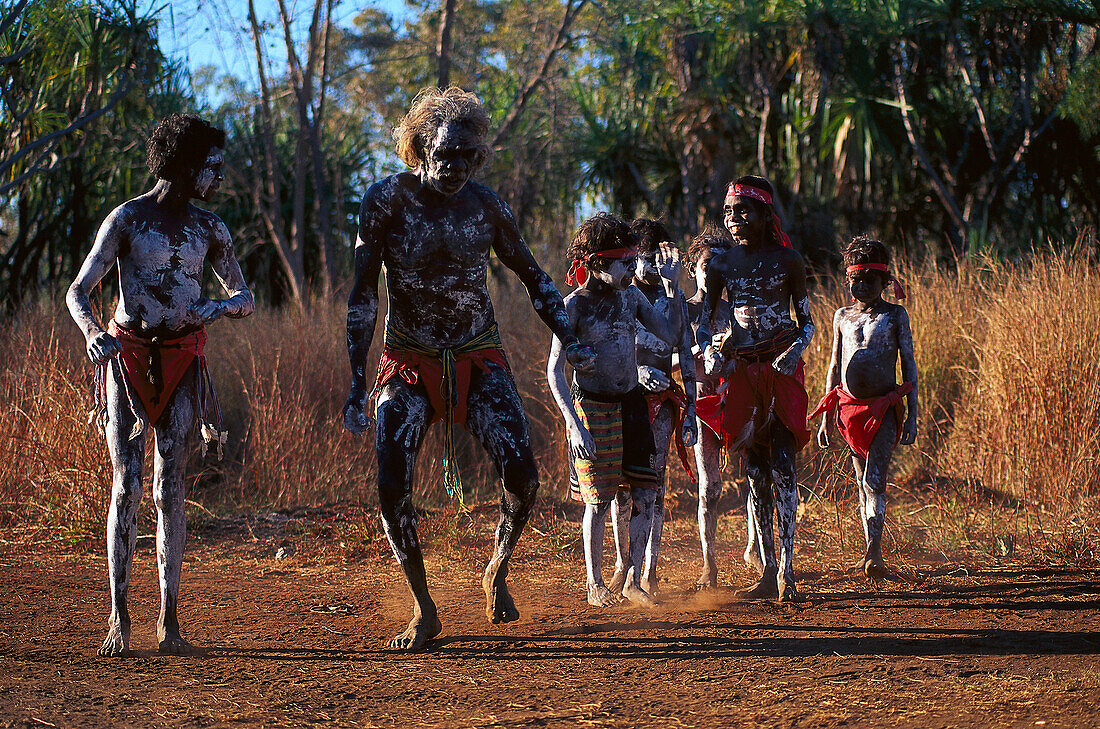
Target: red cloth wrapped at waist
[
  {"x": 752, "y": 391},
  {"x": 428, "y": 370},
  {"x": 674, "y": 395},
  {"x": 859, "y": 419},
  {"x": 154, "y": 367}
]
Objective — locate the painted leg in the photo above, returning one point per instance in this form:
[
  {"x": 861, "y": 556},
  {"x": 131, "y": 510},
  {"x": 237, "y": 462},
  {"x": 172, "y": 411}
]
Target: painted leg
[
  {"x": 402, "y": 415},
  {"x": 592, "y": 531},
  {"x": 620, "y": 528},
  {"x": 641, "y": 524},
  {"x": 173, "y": 440},
  {"x": 662, "y": 439},
  {"x": 873, "y": 492},
  {"x": 786, "y": 489},
  {"x": 495, "y": 417},
  {"x": 752, "y": 541},
  {"x": 859, "y": 466},
  {"x": 127, "y": 458},
  {"x": 760, "y": 489},
  {"x": 707, "y": 454}
]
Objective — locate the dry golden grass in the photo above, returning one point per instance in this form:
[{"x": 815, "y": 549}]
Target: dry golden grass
[{"x": 1005, "y": 459}]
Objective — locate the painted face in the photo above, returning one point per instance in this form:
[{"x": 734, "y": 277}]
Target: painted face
[
  {"x": 209, "y": 177},
  {"x": 451, "y": 157},
  {"x": 701, "y": 265},
  {"x": 866, "y": 286},
  {"x": 616, "y": 272},
  {"x": 743, "y": 218},
  {"x": 645, "y": 267}
]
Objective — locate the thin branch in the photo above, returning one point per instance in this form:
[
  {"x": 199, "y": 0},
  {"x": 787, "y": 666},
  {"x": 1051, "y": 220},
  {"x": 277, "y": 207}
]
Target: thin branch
[{"x": 561, "y": 39}]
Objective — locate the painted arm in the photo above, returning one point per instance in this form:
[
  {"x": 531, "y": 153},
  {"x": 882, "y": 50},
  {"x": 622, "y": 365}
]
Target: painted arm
[
  {"x": 363, "y": 306},
  {"x": 651, "y": 319},
  {"x": 100, "y": 345},
  {"x": 787, "y": 362},
  {"x": 908, "y": 374},
  {"x": 240, "y": 302},
  {"x": 687, "y": 372},
  {"x": 832, "y": 379},
  {"x": 513, "y": 252},
  {"x": 581, "y": 444},
  {"x": 711, "y": 351}
]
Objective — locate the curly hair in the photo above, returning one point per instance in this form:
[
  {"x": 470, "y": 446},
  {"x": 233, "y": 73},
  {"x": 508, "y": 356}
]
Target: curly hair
[
  {"x": 601, "y": 232},
  {"x": 863, "y": 250},
  {"x": 766, "y": 211},
  {"x": 649, "y": 234},
  {"x": 180, "y": 144},
  {"x": 431, "y": 109},
  {"x": 712, "y": 238}
]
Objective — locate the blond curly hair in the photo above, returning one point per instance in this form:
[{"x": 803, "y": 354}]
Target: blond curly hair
[{"x": 431, "y": 109}]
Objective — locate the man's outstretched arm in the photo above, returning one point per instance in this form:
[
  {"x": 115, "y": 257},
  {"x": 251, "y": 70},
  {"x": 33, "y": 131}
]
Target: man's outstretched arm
[
  {"x": 545, "y": 297},
  {"x": 363, "y": 308}
]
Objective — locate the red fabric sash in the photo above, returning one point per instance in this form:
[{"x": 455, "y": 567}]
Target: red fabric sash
[
  {"x": 154, "y": 368},
  {"x": 859, "y": 420},
  {"x": 899, "y": 290},
  {"x": 578, "y": 267},
  {"x": 676, "y": 396},
  {"x": 428, "y": 371},
  {"x": 752, "y": 390}
]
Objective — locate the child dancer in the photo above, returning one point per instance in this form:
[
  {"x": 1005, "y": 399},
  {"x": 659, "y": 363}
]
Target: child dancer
[
  {"x": 671, "y": 407},
  {"x": 868, "y": 338},
  {"x": 610, "y": 437}
]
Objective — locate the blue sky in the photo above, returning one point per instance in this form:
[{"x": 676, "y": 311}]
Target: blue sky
[{"x": 215, "y": 32}]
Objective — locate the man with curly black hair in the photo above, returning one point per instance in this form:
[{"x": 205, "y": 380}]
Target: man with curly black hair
[
  {"x": 150, "y": 368},
  {"x": 433, "y": 228}
]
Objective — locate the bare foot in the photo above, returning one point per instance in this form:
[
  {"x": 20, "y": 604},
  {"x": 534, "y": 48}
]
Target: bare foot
[
  {"x": 875, "y": 569},
  {"x": 765, "y": 589},
  {"x": 708, "y": 579},
  {"x": 499, "y": 606},
  {"x": 117, "y": 642},
  {"x": 638, "y": 596},
  {"x": 421, "y": 629},
  {"x": 649, "y": 584},
  {"x": 858, "y": 566},
  {"x": 788, "y": 593},
  {"x": 175, "y": 645},
  {"x": 615, "y": 584},
  {"x": 752, "y": 559},
  {"x": 600, "y": 596}
]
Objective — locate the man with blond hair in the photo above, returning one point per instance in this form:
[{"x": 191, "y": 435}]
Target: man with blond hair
[{"x": 433, "y": 229}]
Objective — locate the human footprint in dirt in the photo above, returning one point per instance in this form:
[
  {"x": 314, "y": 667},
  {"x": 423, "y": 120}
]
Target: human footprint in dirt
[
  {"x": 763, "y": 411},
  {"x": 861, "y": 392},
  {"x": 433, "y": 229},
  {"x": 150, "y": 368},
  {"x": 606, "y": 416},
  {"x": 671, "y": 407}
]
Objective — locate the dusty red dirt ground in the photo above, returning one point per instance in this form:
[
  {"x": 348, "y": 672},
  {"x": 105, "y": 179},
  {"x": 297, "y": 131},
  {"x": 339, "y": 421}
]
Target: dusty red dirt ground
[{"x": 299, "y": 641}]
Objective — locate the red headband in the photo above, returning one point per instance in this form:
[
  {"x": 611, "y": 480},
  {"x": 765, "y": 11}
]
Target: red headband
[
  {"x": 899, "y": 292},
  {"x": 743, "y": 190},
  {"x": 579, "y": 271}
]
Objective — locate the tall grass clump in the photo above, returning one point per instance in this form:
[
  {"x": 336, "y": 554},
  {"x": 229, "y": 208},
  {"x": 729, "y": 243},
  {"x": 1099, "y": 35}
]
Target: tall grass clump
[
  {"x": 1028, "y": 422},
  {"x": 54, "y": 467}
]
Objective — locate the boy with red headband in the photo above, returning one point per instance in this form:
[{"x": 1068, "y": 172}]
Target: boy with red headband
[
  {"x": 763, "y": 410},
  {"x": 868, "y": 338},
  {"x": 606, "y": 415}
]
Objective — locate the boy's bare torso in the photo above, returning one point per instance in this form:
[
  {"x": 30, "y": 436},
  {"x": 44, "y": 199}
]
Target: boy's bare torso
[
  {"x": 868, "y": 348},
  {"x": 757, "y": 287},
  {"x": 608, "y": 320}
]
